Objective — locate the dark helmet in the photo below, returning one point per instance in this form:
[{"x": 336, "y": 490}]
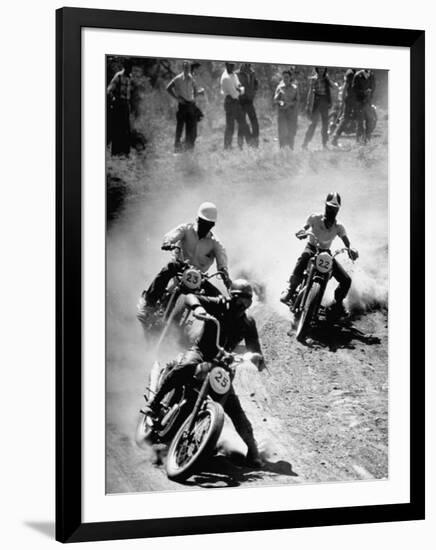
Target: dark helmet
[
  {"x": 241, "y": 287},
  {"x": 334, "y": 200}
]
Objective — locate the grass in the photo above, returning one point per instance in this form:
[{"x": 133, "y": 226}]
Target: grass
[{"x": 157, "y": 169}]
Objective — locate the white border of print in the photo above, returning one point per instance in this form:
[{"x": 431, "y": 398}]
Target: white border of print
[{"x": 100, "y": 507}]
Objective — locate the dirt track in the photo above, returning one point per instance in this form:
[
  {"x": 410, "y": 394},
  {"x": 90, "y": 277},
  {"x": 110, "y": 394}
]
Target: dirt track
[{"x": 319, "y": 414}]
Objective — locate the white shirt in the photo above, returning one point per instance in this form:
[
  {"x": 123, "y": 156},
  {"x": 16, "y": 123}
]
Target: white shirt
[
  {"x": 230, "y": 84},
  {"x": 324, "y": 235},
  {"x": 200, "y": 252}
]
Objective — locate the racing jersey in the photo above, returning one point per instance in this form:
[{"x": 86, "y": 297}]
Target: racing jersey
[
  {"x": 200, "y": 252},
  {"x": 233, "y": 329},
  {"x": 324, "y": 235}
]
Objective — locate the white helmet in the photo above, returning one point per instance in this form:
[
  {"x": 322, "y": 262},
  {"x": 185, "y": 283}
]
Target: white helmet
[{"x": 208, "y": 211}]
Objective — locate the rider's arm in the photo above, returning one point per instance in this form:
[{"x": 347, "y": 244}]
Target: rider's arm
[
  {"x": 301, "y": 233},
  {"x": 352, "y": 252},
  {"x": 175, "y": 235},
  {"x": 251, "y": 338},
  {"x": 346, "y": 241},
  {"x": 220, "y": 255}
]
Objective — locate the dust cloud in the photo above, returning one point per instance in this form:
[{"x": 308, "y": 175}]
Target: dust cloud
[{"x": 258, "y": 217}]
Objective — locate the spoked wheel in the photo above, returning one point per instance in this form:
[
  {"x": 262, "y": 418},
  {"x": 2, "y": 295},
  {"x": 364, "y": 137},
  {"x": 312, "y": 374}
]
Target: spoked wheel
[
  {"x": 309, "y": 311},
  {"x": 188, "y": 449}
]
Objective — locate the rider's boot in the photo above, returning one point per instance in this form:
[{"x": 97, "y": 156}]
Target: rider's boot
[
  {"x": 337, "y": 310},
  {"x": 286, "y": 295},
  {"x": 253, "y": 457}
]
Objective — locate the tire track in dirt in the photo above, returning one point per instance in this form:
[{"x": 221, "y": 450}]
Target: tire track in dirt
[{"x": 318, "y": 415}]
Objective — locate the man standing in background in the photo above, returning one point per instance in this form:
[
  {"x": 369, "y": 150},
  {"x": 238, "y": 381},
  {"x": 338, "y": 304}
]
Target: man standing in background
[
  {"x": 287, "y": 98},
  {"x": 247, "y": 79},
  {"x": 319, "y": 100},
  {"x": 363, "y": 88},
  {"x": 119, "y": 95},
  {"x": 231, "y": 89},
  {"x": 184, "y": 89},
  {"x": 348, "y": 105}
]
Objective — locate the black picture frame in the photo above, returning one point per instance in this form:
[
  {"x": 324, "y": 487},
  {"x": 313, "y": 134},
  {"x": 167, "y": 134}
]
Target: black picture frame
[{"x": 69, "y": 23}]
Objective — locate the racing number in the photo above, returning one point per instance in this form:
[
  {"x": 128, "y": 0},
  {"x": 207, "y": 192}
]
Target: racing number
[
  {"x": 221, "y": 379},
  {"x": 192, "y": 278},
  {"x": 325, "y": 263}
]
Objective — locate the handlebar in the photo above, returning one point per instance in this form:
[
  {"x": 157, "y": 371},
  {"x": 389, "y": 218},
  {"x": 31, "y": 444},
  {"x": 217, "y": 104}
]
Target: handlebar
[
  {"x": 207, "y": 317},
  {"x": 219, "y": 274},
  {"x": 317, "y": 244}
]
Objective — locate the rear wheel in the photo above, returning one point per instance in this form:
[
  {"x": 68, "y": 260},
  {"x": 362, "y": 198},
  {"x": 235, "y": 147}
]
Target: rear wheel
[
  {"x": 150, "y": 431},
  {"x": 167, "y": 430},
  {"x": 309, "y": 311},
  {"x": 188, "y": 449}
]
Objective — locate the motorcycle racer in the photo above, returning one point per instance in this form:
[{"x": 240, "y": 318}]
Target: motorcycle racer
[
  {"x": 199, "y": 246},
  {"x": 236, "y": 326},
  {"x": 325, "y": 229}
]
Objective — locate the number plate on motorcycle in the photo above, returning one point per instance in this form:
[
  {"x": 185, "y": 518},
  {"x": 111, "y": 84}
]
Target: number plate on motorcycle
[
  {"x": 219, "y": 380},
  {"x": 191, "y": 278},
  {"x": 324, "y": 262}
]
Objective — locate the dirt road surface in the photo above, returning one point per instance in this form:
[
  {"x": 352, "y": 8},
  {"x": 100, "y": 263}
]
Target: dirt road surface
[{"x": 320, "y": 412}]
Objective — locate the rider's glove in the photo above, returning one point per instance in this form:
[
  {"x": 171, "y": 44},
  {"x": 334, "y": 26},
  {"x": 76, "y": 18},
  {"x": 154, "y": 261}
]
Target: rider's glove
[
  {"x": 353, "y": 254},
  {"x": 301, "y": 234},
  {"x": 167, "y": 246}
]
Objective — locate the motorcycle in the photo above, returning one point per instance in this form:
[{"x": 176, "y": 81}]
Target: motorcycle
[
  {"x": 306, "y": 302},
  {"x": 192, "y": 416},
  {"x": 170, "y": 311}
]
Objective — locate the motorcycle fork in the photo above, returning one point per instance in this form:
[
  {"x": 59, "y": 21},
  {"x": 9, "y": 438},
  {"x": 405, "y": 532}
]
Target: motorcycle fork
[
  {"x": 201, "y": 395},
  {"x": 168, "y": 317},
  {"x": 308, "y": 284}
]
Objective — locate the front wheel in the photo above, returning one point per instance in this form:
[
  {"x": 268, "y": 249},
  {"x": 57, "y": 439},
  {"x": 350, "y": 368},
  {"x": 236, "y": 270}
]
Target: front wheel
[
  {"x": 309, "y": 311},
  {"x": 188, "y": 449},
  {"x": 144, "y": 430}
]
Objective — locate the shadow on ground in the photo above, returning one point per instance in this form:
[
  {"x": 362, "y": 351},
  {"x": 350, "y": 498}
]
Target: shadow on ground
[
  {"x": 231, "y": 471},
  {"x": 338, "y": 335}
]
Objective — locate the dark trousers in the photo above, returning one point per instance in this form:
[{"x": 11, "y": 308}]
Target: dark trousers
[
  {"x": 234, "y": 113},
  {"x": 347, "y": 114},
  {"x": 183, "y": 373},
  {"x": 186, "y": 119},
  {"x": 287, "y": 124},
  {"x": 160, "y": 282},
  {"x": 320, "y": 110},
  {"x": 364, "y": 118},
  {"x": 339, "y": 274},
  {"x": 248, "y": 109},
  {"x": 120, "y": 128}
]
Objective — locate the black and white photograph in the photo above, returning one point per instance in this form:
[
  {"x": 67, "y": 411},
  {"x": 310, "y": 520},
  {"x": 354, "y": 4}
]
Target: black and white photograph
[{"x": 247, "y": 282}]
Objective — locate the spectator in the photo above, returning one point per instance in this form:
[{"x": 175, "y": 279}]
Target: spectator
[
  {"x": 348, "y": 105},
  {"x": 247, "y": 79},
  {"x": 184, "y": 89},
  {"x": 119, "y": 94},
  {"x": 363, "y": 87},
  {"x": 231, "y": 89},
  {"x": 287, "y": 98},
  {"x": 318, "y": 103}
]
